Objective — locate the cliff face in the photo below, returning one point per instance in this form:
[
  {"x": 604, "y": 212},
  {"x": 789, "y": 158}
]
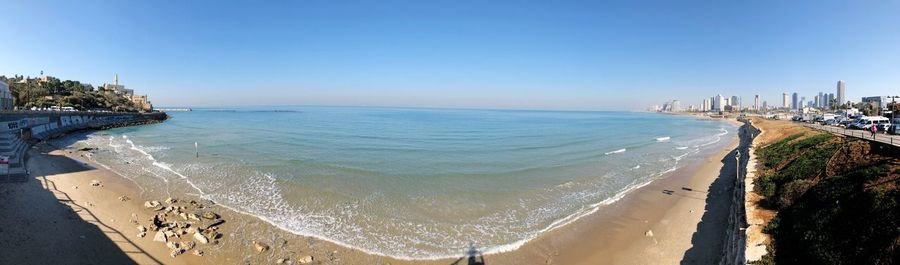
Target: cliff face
[{"x": 836, "y": 198}]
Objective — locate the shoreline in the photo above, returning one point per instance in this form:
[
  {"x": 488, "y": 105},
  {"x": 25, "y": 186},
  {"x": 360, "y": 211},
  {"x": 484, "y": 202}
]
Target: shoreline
[{"x": 527, "y": 248}]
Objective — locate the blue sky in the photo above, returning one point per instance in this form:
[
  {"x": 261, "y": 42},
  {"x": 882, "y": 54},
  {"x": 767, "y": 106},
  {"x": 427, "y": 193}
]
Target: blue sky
[{"x": 481, "y": 54}]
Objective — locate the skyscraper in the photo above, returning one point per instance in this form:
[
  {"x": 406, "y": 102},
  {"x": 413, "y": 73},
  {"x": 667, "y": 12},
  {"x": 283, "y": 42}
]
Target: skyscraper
[
  {"x": 784, "y": 102},
  {"x": 735, "y": 101},
  {"x": 795, "y": 101},
  {"x": 841, "y": 97},
  {"x": 820, "y": 100},
  {"x": 756, "y": 102},
  {"x": 719, "y": 103}
]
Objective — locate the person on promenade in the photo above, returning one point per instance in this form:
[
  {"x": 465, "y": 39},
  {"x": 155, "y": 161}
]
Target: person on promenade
[{"x": 874, "y": 130}]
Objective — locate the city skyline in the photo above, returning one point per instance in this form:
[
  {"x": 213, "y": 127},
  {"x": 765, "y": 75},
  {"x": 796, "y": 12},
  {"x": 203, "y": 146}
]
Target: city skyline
[{"x": 459, "y": 54}]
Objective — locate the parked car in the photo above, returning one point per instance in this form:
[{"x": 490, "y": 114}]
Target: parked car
[{"x": 831, "y": 122}]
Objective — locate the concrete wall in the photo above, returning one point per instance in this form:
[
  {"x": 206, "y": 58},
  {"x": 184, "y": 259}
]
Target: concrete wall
[{"x": 46, "y": 124}]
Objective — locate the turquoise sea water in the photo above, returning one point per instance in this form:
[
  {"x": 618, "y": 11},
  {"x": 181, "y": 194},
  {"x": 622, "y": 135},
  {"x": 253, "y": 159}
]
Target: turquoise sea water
[{"x": 408, "y": 183}]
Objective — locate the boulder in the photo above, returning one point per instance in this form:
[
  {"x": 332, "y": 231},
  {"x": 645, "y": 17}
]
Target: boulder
[
  {"x": 141, "y": 228},
  {"x": 142, "y": 234},
  {"x": 305, "y": 259},
  {"x": 176, "y": 252},
  {"x": 170, "y": 200},
  {"x": 160, "y": 237},
  {"x": 188, "y": 245},
  {"x": 96, "y": 183},
  {"x": 210, "y": 215},
  {"x": 198, "y": 253},
  {"x": 173, "y": 245},
  {"x": 280, "y": 261},
  {"x": 193, "y": 217},
  {"x": 201, "y": 238},
  {"x": 260, "y": 247},
  {"x": 649, "y": 233},
  {"x": 151, "y": 204}
]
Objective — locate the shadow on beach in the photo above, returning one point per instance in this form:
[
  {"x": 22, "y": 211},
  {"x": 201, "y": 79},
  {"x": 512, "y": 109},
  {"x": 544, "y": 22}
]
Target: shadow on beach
[
  {"x": 43, "y": 225},
  {"x": 472, "y": 257},
  {"x": 708, "y": 240}
]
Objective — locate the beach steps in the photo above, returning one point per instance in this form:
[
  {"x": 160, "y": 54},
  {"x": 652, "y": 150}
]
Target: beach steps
[{"x": 15, "y": 148}]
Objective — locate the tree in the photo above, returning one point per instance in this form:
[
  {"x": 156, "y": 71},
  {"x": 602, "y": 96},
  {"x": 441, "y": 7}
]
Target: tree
[{"x": 870, "y": 109}]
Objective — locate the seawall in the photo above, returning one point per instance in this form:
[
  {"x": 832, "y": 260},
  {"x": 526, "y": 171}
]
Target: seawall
[
  {"x": 19, "y": 128},
  {"x": 735, "y": 237}
]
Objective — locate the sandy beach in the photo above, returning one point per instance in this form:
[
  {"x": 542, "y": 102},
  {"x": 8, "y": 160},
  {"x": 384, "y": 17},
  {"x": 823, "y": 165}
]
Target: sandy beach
[{"x": 59, "y": 217}]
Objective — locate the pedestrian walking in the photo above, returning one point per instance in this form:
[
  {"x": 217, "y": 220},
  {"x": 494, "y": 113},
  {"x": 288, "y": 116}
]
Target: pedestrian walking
[{"x": 874, "y": 130}]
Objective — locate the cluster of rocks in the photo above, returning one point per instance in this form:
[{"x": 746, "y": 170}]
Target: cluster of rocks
[{"x": 181, "y": 225}]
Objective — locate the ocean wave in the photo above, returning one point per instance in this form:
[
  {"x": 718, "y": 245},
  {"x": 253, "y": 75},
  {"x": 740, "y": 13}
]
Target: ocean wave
[
  {"x": 616, "y": 151},
  {"x": 663, "y": 139}
]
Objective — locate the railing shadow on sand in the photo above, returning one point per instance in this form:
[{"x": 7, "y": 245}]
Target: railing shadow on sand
[
  {"x": 132, "y": 251},
  {"x": 48, "y": 226}
]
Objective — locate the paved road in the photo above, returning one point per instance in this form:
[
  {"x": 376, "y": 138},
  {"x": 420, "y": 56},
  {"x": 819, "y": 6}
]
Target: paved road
[{"x": 879, "y": 137}]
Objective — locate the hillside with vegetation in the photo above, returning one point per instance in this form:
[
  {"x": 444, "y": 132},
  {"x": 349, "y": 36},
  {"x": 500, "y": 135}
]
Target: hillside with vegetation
[
  {"x": 54, "y": 92},
  {"x": 837, "y": 200}
]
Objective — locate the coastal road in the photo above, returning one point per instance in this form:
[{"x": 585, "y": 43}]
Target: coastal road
[{"x": 861, "y": 134}]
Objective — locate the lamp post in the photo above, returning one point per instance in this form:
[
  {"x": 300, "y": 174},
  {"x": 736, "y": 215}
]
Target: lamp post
[{"x": 737, "y": 167}]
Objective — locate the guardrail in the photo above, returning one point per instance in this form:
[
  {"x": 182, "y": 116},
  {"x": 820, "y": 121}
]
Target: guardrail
[{"x": 861, "y": 134}]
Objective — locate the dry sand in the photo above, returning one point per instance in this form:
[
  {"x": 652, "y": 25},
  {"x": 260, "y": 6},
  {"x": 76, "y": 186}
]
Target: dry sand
[{"x": 57, "y": 217}]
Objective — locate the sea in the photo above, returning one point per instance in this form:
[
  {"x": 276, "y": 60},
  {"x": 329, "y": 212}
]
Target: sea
[{"x": 410, "y": 183}]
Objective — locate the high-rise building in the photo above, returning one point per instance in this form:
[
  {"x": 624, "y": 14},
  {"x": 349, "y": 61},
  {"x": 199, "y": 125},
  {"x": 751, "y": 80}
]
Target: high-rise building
[
  {"x": 765, "y": 106},
  {"x": 735, "y": 101},
  {"x": 756, "y": 102},
  {"x": 841, "y": 96},
  {"x": 784, "y": 102},
  {"x": 707, "y": 105},
  {"x": 795, "y": 101},
  {"x": 676, "y": 105},
  {"x": 819, "y": 101},
  {"x": 719, "y": 103}
]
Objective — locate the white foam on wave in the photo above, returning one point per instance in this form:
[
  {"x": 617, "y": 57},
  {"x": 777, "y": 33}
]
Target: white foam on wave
[
  {"x": 663, "y": 139},
  {"x": 636, "y": 167},
  {"x": 681, "y": 147},
  {"x": 616, "y": 152}
]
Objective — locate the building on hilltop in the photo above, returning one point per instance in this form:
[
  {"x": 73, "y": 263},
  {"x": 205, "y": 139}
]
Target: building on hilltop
[
  {"x": 141, "y": 102},
  {"x": 6, "y": 98},
  {"x": 116, "y": 88}
]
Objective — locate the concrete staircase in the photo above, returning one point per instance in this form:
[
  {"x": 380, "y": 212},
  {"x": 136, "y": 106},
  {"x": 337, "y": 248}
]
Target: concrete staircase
[{"x": 11, "y": 145}]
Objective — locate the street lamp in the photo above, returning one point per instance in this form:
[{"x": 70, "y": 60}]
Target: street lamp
[{"x": 737, "y": 167}]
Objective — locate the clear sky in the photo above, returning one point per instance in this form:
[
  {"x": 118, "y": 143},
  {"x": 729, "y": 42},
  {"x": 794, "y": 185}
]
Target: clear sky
[{"x": 483, "y": 54}]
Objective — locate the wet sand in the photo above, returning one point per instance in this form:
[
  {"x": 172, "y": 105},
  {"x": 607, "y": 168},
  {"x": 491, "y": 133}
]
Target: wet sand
[{"x": 671, "y": 220}]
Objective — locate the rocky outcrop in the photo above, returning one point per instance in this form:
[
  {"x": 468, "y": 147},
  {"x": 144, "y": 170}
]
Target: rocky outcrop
[{"x": 178, "y": 225}]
